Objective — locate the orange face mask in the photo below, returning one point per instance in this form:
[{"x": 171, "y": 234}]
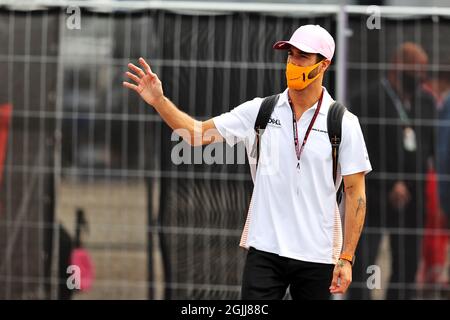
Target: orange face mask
[{"x": 298, "y": 77}]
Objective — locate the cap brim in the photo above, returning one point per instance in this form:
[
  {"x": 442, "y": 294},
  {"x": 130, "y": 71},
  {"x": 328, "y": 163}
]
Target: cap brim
[{"x": 285, "y": 45}]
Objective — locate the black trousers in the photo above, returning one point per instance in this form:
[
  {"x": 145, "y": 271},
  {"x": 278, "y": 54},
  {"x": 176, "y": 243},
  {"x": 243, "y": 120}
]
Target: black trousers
[{"x": 267, "y": 277}]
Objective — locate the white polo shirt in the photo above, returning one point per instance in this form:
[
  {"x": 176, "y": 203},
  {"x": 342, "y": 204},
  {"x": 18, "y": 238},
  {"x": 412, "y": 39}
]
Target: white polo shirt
[{"x": 293, "y": 212}]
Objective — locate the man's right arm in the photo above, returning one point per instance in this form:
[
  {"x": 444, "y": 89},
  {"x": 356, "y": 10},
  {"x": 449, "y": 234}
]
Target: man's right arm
[
  {"x": 193, "y": 131},
  {"x": 149, "y": 87}
]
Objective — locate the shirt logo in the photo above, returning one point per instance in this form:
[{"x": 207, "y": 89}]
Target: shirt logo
[
  {"x": 318, "y": 130},
  {"x": 275, "y": 122}
]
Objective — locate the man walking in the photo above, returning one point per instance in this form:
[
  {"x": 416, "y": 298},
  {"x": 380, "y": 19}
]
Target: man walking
[{"x": 293, "y": 231}]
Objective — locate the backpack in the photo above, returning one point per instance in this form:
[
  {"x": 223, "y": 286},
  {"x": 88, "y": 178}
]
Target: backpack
[{"x": 334, "y": 128}]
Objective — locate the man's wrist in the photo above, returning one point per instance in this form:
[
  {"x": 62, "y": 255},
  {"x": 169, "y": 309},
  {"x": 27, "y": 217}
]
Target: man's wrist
[
  {"x": 342, "y": 262},
  {"x": 348, "y": 257},
  {"x": 157, "y": 104}
]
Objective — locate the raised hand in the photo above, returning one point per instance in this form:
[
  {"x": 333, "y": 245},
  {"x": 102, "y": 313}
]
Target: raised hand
[{"x": 147, "y": 84}]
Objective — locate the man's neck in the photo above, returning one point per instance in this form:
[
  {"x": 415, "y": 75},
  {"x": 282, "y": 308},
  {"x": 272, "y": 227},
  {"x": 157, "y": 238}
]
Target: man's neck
[
  {"x": 304, "y": 99},
  {"x": 394, "y": 82}
]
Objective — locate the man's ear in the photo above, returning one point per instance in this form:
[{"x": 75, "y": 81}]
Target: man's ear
[{"x": 324, "y": 65}]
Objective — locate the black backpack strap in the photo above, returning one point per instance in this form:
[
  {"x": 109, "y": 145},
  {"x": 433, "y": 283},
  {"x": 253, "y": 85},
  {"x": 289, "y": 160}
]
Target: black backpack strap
[
  {"x": 264, "y": 113},
  {"x": 334, "y": 127}
]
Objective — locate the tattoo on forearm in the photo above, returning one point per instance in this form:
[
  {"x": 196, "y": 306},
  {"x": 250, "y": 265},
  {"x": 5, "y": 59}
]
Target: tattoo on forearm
[{"x": 361, "y": 205}]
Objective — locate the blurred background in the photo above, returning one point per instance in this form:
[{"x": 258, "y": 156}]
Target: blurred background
[{"x": 86, "y": 176}]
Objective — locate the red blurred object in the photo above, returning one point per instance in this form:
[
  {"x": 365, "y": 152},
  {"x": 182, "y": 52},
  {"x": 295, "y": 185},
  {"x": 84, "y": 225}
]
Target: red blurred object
[
  {"x": 434, "y": 243},
  {"x": 5, "y": 117},
  {"x": 81, "y": 258}
]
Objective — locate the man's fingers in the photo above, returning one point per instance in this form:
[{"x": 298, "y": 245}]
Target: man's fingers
[
  {"x": 137, "y": 70},
  {"x": 341, "y": 288},
  {"x": 334, "y": 281},
  {"x": 338, "y": 290},
  {"x": 130, "y": 86},
  {"x": 340, "y": 283},
  {"x": 344, "y": 285},
  {"x": 145, "y": 65},
  {"x": 133, "y": 77}
]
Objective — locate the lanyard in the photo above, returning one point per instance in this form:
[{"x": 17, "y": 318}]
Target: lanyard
[
  {"x": 298, "y": 149},
  {"x": 397, "y": 103}
]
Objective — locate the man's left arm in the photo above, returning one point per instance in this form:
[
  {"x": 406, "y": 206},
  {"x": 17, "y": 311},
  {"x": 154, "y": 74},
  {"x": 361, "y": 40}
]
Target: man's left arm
[{"x": 355, "y": 212}]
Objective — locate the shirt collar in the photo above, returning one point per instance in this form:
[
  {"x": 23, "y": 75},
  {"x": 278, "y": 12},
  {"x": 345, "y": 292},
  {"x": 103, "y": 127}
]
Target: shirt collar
[{"x": 327, "y": 100}]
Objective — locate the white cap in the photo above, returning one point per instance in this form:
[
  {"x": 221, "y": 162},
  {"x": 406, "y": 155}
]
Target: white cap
[{"x": 312, "y": 39}]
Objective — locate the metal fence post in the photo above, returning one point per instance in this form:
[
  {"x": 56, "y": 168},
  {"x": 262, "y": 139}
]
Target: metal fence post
[{"x": 341, "y": 50}]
